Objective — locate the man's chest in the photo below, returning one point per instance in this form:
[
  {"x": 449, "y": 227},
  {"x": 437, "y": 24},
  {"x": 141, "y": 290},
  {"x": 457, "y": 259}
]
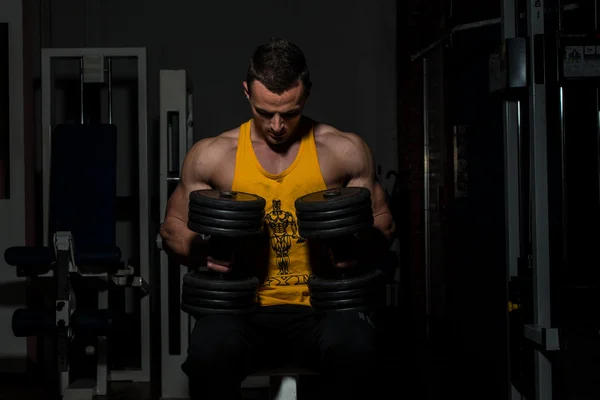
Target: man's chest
[{"x": 332, "y": 172}]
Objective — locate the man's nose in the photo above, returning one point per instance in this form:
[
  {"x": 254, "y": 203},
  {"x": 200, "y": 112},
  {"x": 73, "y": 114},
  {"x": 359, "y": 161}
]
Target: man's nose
[{"x": 277, "y": 123}]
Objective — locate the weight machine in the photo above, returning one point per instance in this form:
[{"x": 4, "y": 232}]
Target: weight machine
[
  {"x": 548, "y": 77},
  {"x": 80, "y": 252}
]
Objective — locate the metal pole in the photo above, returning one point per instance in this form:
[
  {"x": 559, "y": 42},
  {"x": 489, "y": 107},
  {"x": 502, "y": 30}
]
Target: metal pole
[
  {"x": 539, "y": 193},
  {"x": 511, "y": 128},
  {"x": 109, "y": 73},
  {"x": 511, "y": 152},
  {"x": 81, "y": 83},
  {"x": 426, "y": 202}
]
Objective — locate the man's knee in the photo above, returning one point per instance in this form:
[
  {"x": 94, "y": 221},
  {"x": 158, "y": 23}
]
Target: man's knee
[
  {"x": 350, "y": 353},
  {"x": 210, "y": 356}
]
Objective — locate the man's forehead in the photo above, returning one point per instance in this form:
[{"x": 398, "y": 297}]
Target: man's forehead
[
  {"x": 277, "y": 107},
  {"x": 282, "y": 109},
  {"x": 260, "y": 91}
]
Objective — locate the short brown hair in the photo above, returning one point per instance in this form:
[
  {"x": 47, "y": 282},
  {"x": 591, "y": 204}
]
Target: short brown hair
[{"x": 279, "y": 65}]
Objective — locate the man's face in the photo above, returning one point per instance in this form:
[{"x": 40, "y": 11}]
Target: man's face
[{"x": 276, "y": 116}]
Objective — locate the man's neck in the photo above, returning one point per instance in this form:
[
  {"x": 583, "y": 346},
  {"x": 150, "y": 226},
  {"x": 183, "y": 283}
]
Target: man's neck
[{"x": 283, "y": 149}]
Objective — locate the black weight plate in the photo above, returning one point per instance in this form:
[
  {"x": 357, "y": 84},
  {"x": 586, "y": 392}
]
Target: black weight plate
[
  {"x": 333, "y": 214},
  {"x": 363, "y": 308},
  {"x": 332, "y": 199},
  {"x": 225, "y": 223},
  {"x": 216, "y": 294},
  {"x": 227, "y": 200},
  {"x": 317, "y": 284},
  {"x": 206, "y": 280},
  {"x": 344, "y": 294},
  {"x": 223, "y": 232},
  {"x": 335, "y": 232},
  {"x": 364, "y": 217},
  {"x": 200, "y": 311},
  {"x": 345, "y": 303},
  {"x": 252, "y": 215},
  {"x": 218, "y": 304}
]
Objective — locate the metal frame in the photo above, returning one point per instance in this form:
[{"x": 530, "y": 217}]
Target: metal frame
[
  {"x": 539, "y": 196},
  {"x": 540, "y": 331},
  {"x": 47, "y": 54},
  {"x": 13, "y": 209},
  {"x": 426, "y": 197},
  {"x": 174, "y": 97},
  {"x": 512, "y": 129}
]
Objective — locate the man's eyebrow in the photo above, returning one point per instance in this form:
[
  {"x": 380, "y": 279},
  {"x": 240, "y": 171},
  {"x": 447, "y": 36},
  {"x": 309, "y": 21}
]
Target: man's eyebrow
[
  {"x": 260, "y": 110},
  {"x": 292, "y": 111}
]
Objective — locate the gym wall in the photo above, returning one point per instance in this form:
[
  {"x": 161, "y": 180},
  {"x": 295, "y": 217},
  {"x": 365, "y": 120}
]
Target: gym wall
[{"x": 350, "y": 45}]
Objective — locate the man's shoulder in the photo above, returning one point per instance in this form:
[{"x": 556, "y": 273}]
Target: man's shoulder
[
  {"x": 338, "y": 141},
  {"x": 212, "y": 151},
  {"x": 217, "y": 145}
]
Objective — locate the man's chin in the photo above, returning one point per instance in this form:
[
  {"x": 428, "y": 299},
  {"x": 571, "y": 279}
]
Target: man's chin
[{"x": 278, "y": 139}]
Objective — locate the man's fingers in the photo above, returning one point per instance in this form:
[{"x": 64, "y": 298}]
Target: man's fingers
[
  {"x": 218, "y": 265},
  {"x": 345, "y": 264},
  {"x": 222, "y": 269}
]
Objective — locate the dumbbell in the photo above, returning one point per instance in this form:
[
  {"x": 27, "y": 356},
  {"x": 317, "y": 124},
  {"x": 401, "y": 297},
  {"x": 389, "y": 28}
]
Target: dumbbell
[
  {"x": 333, "y": 217},
  {"x": 227, "y": 217}
]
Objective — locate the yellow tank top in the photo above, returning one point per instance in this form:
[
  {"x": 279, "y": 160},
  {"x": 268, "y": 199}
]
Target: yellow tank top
[{"x": 288, "y": 259}]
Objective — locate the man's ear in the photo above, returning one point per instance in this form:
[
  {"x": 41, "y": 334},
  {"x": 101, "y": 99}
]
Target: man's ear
[
  {"x": 306, "y": 93},
  {"x": 246, "y": 90}
]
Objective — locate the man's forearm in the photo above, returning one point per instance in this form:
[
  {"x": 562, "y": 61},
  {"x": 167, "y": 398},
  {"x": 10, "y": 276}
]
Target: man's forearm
[
  {"x": 377, "y": 240},
  {"x": 184, "y": 246}
]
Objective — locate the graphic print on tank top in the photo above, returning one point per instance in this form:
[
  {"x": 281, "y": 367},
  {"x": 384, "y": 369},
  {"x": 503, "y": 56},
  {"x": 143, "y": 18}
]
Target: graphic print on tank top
[{"x": 283, "y": 232}]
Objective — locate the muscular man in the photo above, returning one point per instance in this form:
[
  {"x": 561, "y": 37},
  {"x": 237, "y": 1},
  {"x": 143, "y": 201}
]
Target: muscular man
[{"x": 279, "y": 154}]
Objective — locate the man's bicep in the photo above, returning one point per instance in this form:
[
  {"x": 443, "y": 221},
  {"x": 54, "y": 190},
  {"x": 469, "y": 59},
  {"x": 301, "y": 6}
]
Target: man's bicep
[
  {"x": 361, "y": 169},
  {"x": 193, "y": 177},
  {"x": 362, "y": 174}
]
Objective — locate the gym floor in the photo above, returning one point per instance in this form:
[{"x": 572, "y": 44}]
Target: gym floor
[
  {"x": 125, "y": 391},
  {"x": 15, "y": 387}
]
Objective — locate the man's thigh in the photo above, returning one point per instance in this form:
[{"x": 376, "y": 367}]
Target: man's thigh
[
  {"x": 332, "y": 341},
  {"x": 224, "y": 344}
]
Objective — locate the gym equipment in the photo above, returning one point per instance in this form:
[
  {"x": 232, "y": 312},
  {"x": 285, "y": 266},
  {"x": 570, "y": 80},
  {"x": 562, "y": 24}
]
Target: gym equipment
[
  {"x": 80, "y": 254},
  {"x": 176, "y": 138},
  {"x": 33, "y": 321},
  {"x": 17, "y": 163},
  {"x": 203, "y": 294},
  {"x": 85, "y": 211},
  {"x": 226, "y": 217},
  {"x": 334, "y": 213},
  {"x": 95, "y": 67},
  {"x": 547, "y": 76},
  {"x": 226, "y": 213},
  {"x": 334, "y": 217}
]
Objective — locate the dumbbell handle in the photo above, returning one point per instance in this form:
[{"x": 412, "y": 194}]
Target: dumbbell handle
[
  {"x": 222, "y": 249},
  {"x": 343, "y": 248}
]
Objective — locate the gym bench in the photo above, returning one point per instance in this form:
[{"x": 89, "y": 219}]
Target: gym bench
[{"x": 282, "y": 382}]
